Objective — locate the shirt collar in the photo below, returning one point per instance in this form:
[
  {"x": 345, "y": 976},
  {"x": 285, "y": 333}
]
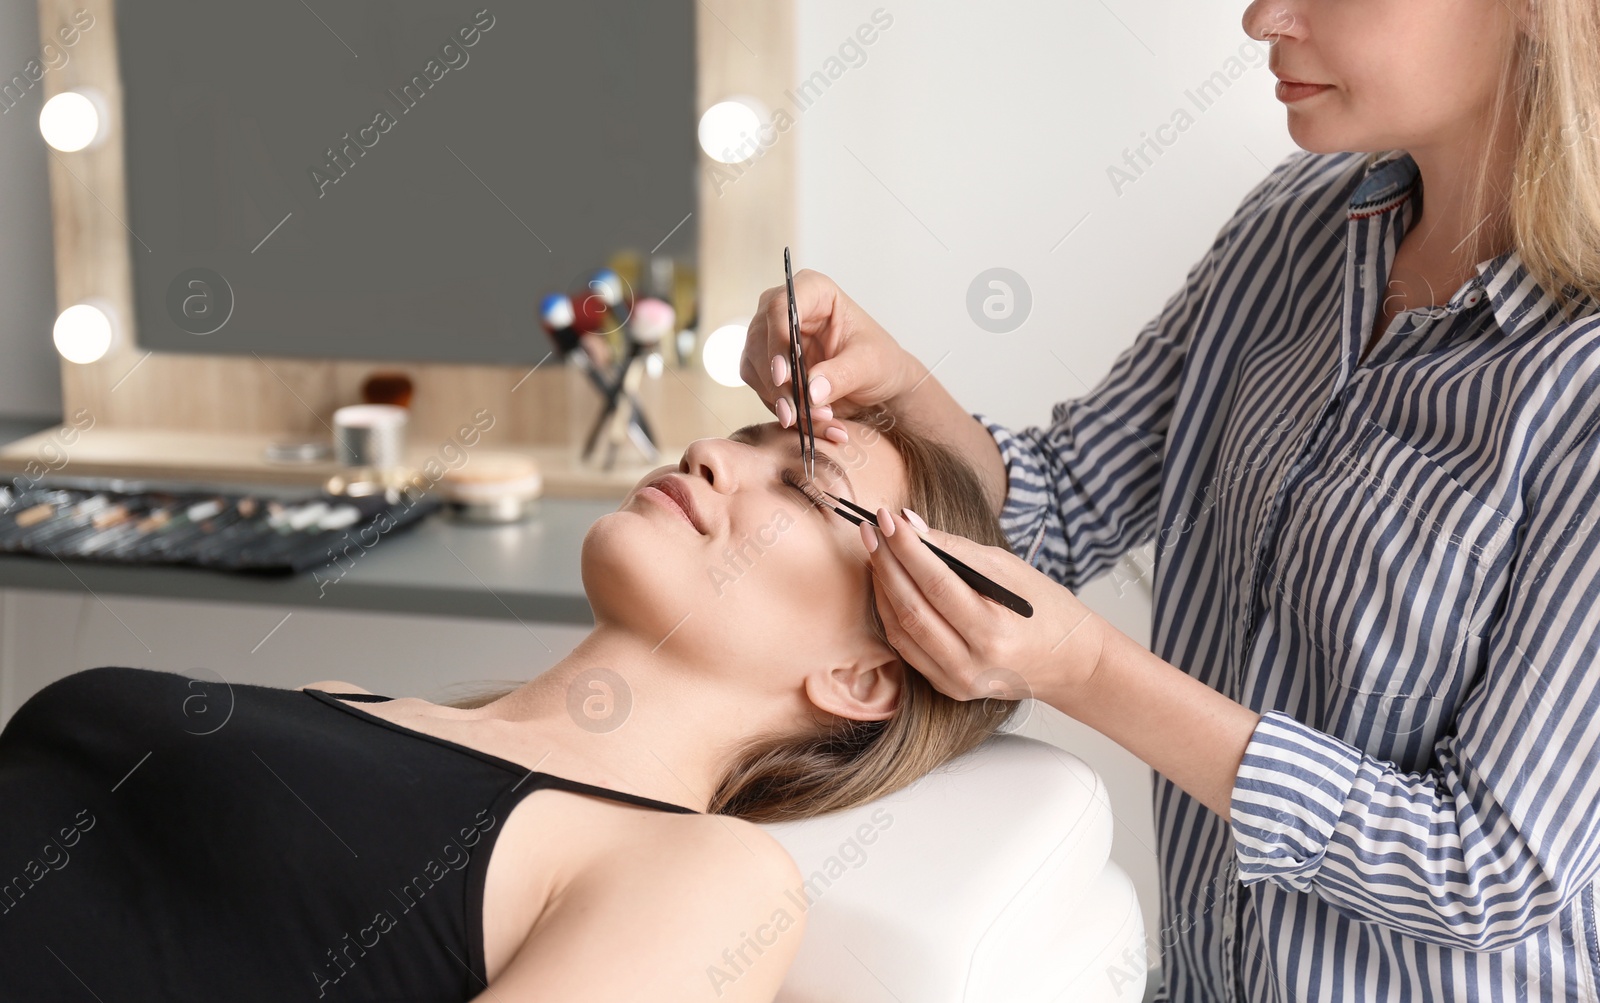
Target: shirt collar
[
  {"x": 1386, "y": 183},
  {"x": 1517, "y": 300}
]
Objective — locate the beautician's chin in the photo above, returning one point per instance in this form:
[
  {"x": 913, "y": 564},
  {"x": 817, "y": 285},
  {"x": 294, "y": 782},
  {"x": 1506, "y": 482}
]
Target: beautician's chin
[{"x": 1315, "y": 127}]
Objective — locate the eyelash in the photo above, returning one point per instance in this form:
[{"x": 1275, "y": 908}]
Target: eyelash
[{"x": 788, "y": 477}]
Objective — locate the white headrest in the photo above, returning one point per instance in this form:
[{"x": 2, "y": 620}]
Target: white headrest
[{"x": 987, "y": 881}]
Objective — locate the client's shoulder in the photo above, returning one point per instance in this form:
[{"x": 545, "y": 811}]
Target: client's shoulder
[
  {"x": 684, "y": 908},
  {"x": 720, "y": 849},
  {"x": 334, "y": 686},
  {"x": 631, "y": 846}
]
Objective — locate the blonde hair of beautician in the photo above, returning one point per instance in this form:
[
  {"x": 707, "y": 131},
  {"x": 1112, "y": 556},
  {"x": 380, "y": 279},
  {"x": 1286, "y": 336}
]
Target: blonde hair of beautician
[
  {"x": 775, "y": 779},
  {"x": 1550, "y": 80}
]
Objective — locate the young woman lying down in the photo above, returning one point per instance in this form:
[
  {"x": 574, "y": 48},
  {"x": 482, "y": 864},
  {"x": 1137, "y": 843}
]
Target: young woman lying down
[{"x": 587, "y": 835}]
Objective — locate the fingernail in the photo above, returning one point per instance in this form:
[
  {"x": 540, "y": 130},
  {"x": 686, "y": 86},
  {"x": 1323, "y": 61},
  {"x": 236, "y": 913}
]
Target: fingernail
[
  {"x": 836, "y": 433},
  {"x": 819, "y": 389},
  {"x": 823, "y": 411},
  {"x": 869, "y": 537},
  {"x": 885, "y": 521},
  {"x": 785, "y": 415},
  {"x": 915, "y": 520},
  {"x": 780, "y": 370}
]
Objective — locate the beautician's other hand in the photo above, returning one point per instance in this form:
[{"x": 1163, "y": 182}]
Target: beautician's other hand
[
  {"x": 853, "y": 362},
  {"x": 967, "y": 646}
]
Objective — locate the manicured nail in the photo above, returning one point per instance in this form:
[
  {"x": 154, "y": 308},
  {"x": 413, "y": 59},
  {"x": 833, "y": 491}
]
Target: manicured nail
[
  {"x": 885, "y": 521},
  {"x": 823, "y": 411},
  {"x": 869, "y": 537},
  {"x": 836, "y": 433},
  {"x": 819, "y": 390},
  {"x": 785, "y": 413},
  {"x": 915, "y": 520},
  {"x": 780, "y": 370}
]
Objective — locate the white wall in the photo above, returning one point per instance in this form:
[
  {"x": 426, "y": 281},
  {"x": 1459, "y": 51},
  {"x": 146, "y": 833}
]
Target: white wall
[{"x": 973, "y": 136}]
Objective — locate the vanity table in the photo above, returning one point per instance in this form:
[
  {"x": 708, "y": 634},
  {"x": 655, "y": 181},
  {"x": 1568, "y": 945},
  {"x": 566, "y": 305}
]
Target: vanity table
[{"x": 401, "y": 616}]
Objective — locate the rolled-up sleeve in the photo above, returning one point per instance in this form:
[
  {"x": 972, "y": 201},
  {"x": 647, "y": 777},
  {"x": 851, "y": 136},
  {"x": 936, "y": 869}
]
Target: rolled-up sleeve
[
  {"x": 1503, "y": 829},
  {"x": 1085, "y": 490}
]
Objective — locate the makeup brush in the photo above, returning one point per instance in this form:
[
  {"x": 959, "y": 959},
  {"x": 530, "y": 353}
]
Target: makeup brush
[{"x": 982, "y": 584}]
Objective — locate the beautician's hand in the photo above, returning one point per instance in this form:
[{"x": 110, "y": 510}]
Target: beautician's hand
[
  {"x": 969, "y": 647},
  {"x": 853, "y": 362}
]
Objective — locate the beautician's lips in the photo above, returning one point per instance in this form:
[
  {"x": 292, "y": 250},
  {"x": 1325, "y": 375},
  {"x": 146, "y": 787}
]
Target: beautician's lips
[
  {"x": 680, "y": 497},
  {"x": 1289, "y": 90}
]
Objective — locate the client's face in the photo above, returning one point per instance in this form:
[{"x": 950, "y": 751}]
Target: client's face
[{"x": 762, "y": 590}]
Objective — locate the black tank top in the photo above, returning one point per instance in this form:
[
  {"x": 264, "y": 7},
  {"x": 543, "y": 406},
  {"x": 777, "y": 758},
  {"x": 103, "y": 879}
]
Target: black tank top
[{"x": 174, "y": 838}]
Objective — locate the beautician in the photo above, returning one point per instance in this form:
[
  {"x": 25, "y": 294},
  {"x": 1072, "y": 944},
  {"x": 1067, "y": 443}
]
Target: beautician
[{"x": 1364, "y": 437}]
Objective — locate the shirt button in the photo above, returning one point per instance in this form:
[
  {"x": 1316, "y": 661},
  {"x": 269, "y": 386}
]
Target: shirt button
[{"x": 1473, "y": 297}]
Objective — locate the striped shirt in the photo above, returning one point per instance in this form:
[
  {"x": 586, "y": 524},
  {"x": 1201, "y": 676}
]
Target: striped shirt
[{"x": 1392, "y": 559}]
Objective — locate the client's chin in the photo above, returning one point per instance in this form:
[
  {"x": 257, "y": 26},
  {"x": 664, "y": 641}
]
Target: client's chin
[{"x": 639, "y": 570}]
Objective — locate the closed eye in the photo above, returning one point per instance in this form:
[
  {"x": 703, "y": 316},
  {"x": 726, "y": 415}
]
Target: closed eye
[
  {"x": 792, "y": 478},
  {"x": 753, "y": 435}
]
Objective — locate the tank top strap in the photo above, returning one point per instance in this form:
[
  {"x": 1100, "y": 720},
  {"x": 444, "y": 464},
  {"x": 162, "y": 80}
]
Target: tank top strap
[
  {"x": 539, "y": 779},
  {"x": 579, "y": 787}
]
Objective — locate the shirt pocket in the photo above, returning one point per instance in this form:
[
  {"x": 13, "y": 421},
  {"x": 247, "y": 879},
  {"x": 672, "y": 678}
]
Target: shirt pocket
[{"x": 1384, "y": 559}]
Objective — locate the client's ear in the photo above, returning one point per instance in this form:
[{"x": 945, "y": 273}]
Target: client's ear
[{"x": 866, "y": 691}]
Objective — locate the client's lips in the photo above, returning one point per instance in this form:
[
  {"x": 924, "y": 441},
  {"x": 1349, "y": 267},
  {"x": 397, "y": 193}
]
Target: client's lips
[{"x": 678, "y": 493}]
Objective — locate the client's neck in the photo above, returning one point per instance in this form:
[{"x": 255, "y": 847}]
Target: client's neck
[{"x": 616, "y": 713}]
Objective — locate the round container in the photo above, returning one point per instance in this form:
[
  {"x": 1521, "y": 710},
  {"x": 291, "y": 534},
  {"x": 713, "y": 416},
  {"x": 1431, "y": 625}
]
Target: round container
[
  {"x": 493, "y": 488},
  {"x": 370, "y": 435}
]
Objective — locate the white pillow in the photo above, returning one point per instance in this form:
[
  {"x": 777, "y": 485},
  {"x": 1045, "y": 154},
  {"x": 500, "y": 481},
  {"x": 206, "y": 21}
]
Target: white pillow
[{"x": 986, "y": 881}]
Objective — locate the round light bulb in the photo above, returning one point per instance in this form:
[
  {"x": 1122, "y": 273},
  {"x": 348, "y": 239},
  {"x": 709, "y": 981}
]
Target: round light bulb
[
  {"x": 721, "y": 351},
  {"x": 71, "y": 120},
  {"x": 83, "y": 333},
  {"x": 730, "y": 130}
]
